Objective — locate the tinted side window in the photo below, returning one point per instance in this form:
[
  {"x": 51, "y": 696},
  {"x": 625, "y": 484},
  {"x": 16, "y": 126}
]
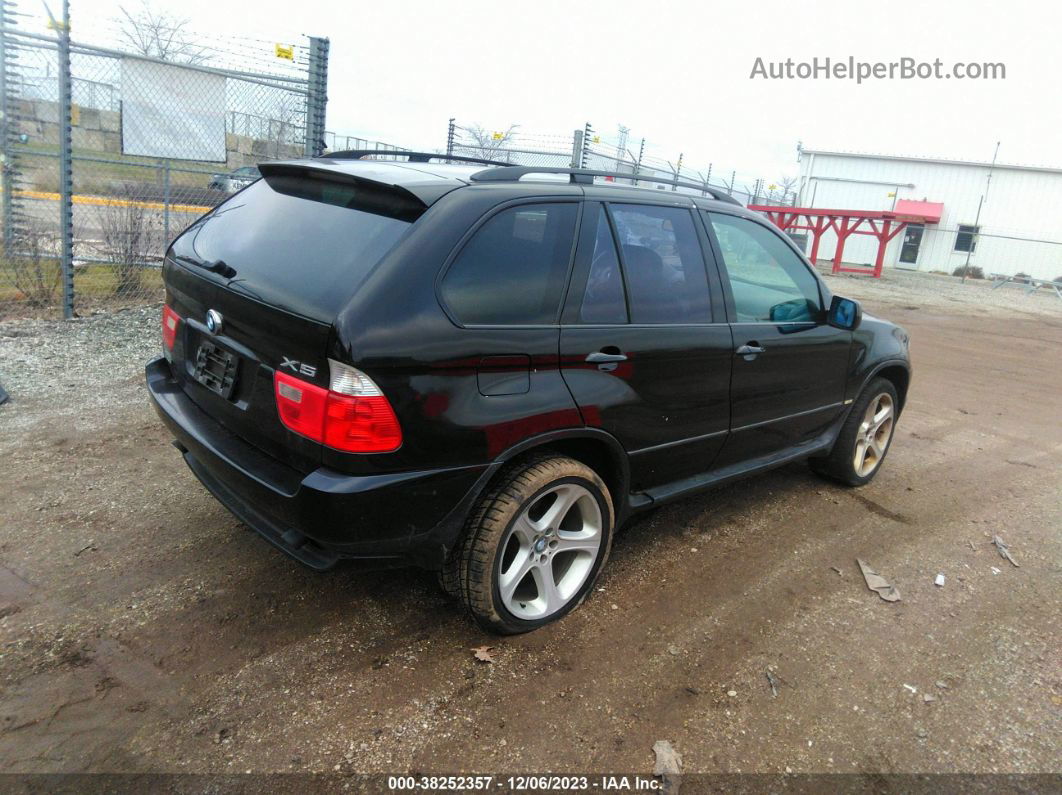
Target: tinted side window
[
  {"x": 513, "y": 270},
  {"x": 603, "y": 299},
  {"x": 768, "y": 280},
  {"x": 662, "y": 259}
]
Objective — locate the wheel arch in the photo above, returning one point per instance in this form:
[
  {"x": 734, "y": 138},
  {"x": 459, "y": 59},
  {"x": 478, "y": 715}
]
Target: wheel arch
[
  {"x": 597, "y": 449},
  {"x": 897, "y": 373}
]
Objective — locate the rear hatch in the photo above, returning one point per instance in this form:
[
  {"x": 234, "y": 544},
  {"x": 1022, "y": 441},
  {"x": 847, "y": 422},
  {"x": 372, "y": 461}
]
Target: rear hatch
[{"x": 274, "y": 264}]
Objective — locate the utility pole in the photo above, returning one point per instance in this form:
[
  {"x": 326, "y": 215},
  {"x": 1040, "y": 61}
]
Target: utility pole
[{"x": 977, "y": 218}]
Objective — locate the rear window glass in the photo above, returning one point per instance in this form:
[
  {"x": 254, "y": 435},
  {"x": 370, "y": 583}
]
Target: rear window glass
[
  {"x": 513, "y": 270},
  {"x": 299, "y": 243}
]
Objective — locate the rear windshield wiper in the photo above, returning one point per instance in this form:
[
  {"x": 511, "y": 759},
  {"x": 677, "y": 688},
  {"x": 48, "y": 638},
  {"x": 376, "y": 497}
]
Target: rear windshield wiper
[{"x": 218, "y": 266}]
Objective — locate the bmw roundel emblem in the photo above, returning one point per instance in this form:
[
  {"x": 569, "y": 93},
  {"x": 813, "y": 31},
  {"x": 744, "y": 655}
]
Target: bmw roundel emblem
[{"x": 214, "y": 321}]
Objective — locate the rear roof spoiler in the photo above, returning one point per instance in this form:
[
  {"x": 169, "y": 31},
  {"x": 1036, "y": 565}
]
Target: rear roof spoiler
[{"x": 424, "y": 189}]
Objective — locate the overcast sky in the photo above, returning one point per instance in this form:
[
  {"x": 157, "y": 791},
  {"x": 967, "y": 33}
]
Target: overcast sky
[{"x": 676, "y": 73}]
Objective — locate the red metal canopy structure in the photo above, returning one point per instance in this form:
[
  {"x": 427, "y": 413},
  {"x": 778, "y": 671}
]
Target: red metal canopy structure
[{"x": 882, "y": 224}]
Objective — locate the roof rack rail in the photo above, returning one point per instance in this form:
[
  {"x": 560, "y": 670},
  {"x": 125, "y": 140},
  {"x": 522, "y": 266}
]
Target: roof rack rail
[
  {"x": 413, "y": 157},
  {"x": 585, "y": 176}
]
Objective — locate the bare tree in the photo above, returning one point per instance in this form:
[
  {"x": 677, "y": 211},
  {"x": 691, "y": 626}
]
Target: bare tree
[
  {"x": 34, "y": 265},
  {"x": 159, "y": 34},
  {"x": 489, "y": 144},
  {"x": 130, "y": 237},
  {"x": 788, "y": 184},
  {"x": 290, "y": 117}
]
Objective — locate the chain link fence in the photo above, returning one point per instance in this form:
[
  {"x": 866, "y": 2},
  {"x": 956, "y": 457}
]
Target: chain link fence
[
  {"x": 620, "y": 153},
  {"x": 112, "y": 148}
]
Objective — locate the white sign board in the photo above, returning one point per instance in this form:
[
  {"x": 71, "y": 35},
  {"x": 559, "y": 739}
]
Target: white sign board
[{"x": 169, "y": 111}]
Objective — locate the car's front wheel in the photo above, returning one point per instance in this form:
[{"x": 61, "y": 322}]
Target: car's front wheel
[
  {"x": 534, "y": 545},
  {"x": 865, "y": 437}
]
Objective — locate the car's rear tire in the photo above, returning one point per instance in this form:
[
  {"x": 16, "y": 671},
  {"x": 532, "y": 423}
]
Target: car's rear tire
[
  {"x": 865, "y": 437},
  {"x": 534, "y": 545}
]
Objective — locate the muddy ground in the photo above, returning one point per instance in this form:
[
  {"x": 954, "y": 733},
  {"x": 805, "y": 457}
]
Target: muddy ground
[{"x": 145, "y": 629}]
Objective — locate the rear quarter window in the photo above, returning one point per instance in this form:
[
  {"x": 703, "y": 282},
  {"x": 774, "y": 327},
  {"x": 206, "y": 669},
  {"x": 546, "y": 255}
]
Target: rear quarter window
[{"x": 514, "y": 268}]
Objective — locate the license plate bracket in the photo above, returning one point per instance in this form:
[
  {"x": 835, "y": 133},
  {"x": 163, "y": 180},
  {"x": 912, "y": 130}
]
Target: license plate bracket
[{"x": 215, "y": 368}]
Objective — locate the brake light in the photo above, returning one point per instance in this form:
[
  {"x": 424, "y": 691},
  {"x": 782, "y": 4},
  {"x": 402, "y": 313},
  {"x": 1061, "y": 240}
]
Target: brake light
[
  {"x": 352, "y": 415},
  {"x": 170, "y": 322}
]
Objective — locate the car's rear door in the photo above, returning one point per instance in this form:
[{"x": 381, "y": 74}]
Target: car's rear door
[
  {"x": 274, "y": 265},
  {"x": 645, "y": 349},
  {"x": 789, "y": 371}
]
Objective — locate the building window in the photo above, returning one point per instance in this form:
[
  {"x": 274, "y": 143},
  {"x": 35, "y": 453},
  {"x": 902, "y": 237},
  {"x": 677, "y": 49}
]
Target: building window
[{"x": 966, "y": 240}]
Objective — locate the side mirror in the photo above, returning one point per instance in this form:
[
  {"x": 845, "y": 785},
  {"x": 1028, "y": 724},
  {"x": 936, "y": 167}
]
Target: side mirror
[{"x": 844, "y": 313}]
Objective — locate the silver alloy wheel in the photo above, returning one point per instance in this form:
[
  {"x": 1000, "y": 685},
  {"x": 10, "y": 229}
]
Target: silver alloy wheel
[
  {"x": 549, "y": 551},
  {"x": 872, "y": 438}
]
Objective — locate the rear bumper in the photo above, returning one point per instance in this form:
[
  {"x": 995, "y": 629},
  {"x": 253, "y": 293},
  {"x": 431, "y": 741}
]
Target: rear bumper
[{"x": 324, "y": 516}]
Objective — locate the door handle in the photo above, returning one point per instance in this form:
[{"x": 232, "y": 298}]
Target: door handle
[
  {"x": 600, "y": 357},
  {"x": 750, "y": 349}
]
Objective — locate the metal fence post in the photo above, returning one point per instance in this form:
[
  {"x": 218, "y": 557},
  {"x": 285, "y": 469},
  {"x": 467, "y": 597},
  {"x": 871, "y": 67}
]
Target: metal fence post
[
  {"x": 577, "y": 149},
  {"x": 584, "y": 160},
  {"x": 66, "y": 175},
  {"x": 166, "y": 205},
  {"x": 6, "y": 168},
  {"x": 678, "y": 172},
  {"x": 317, "y": 96},
  {"x": 450, "y": 130}
]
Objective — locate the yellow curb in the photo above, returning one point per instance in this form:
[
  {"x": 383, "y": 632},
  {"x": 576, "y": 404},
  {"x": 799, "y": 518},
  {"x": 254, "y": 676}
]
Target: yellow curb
[{"x": 104, "y": 201}]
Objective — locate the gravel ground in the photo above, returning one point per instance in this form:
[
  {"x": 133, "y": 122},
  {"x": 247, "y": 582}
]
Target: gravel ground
[
  {"x": 78, "y": 370},
  {"x": 145, "y": 629},
  {"x": 935, "y": 292}
]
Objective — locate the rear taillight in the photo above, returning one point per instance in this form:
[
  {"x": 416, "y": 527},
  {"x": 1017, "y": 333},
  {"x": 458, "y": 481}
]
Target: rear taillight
[
  {"x": 352, "y": 415},
  {"x": 170, "y": 323}
]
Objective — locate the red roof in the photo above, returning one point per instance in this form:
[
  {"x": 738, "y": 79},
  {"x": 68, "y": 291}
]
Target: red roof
[{"x": 931, "y": 211}]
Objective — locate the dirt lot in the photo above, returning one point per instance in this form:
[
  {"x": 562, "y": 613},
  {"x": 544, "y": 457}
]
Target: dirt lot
[{"x": 145, "y": 629}]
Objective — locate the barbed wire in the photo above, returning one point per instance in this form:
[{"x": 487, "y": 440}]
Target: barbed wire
[{"x": 228, "y": 50}]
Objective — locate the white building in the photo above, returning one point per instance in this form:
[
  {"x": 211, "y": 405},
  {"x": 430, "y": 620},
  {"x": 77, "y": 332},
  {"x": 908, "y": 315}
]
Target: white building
[{"x": 1019, "y": 229}]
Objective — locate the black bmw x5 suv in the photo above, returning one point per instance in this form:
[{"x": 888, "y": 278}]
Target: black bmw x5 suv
[{"x": 486, "y": 370}]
